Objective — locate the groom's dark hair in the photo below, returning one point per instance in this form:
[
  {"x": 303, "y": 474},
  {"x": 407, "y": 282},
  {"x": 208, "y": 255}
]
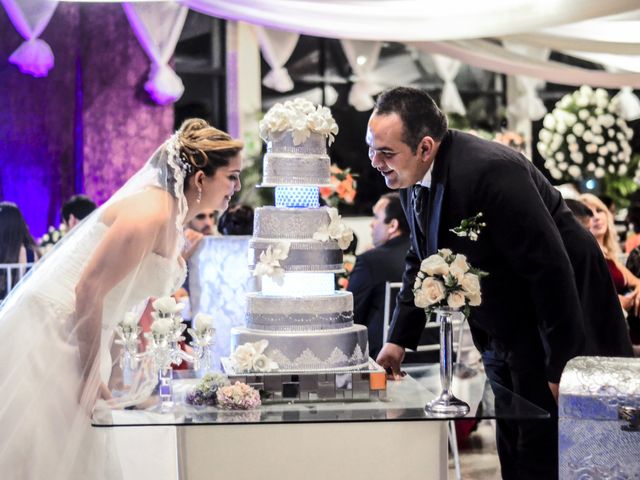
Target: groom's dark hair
[{"x": 420, "y": 115}]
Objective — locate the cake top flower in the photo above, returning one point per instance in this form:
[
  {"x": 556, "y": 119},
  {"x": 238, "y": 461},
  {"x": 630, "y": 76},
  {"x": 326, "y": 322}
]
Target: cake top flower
[{"x": 301, "y": 117}]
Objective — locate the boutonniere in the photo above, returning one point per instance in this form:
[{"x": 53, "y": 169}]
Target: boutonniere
[{"x": 470, "y": 227}]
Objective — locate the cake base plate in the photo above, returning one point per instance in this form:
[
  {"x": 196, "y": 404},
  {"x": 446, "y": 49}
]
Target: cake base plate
[{"x": 364, "y": 384}]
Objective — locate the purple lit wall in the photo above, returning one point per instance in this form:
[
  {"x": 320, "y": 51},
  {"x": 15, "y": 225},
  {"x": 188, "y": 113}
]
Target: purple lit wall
[{"x": 88, "y": 126}]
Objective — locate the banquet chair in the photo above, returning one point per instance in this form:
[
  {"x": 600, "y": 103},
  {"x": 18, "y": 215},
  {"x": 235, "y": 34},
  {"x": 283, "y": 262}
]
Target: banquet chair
[
  {"x": 426, "y": 345},
  {"x": 12, "y": 273}
]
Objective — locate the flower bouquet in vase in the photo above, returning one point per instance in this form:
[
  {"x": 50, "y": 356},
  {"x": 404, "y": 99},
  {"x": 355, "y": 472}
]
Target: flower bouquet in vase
[{"x": 445, "y": 285}]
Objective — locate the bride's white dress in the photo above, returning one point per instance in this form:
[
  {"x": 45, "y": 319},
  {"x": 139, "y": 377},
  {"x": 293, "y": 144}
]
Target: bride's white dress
[{"x": 44, "y": 432}]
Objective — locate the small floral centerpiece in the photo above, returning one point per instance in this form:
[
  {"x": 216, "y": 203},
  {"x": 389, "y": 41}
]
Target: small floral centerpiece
[
  {"x": 585, "y": 137},
  {"x": 53, "y": 236},
  {"x": 342, "y": 189},
  {"x": 250, "y": 357},
  {"x": 238, "y": 396},
  {"x": 301, "y": 117},
  {"x": 446, "y": 279},
  {"x": 205, "y": 392}
]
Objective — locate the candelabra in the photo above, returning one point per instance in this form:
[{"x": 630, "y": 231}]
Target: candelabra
[{"x": 163, "y": 347}]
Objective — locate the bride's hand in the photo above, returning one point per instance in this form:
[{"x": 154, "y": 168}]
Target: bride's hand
[{"x": 103, "y": 392}]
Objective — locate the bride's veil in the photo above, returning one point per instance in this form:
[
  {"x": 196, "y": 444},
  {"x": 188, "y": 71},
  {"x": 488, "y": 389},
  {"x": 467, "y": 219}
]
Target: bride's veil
[{"x": 47, "y": 393}]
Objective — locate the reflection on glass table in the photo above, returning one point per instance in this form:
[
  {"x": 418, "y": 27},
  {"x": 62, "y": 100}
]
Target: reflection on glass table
[{"x": 405, "y": 402}]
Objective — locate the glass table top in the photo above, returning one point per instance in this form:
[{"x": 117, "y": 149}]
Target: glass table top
[{"x": 405, "y": 401}]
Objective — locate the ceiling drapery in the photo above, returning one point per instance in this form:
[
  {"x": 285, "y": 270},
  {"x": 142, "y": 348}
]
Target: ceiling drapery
[{"x": 463, "y": 30}]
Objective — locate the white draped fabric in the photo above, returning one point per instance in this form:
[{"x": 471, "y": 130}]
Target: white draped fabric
[
  {"x": 277, "y": 46},
  {"x": 527, "y": 105},
  {"x": 363, "y": 58},
  {"x": 490, "y": 56},
  {"x": 30, "y": 17},
  {"x": 411, "y": 20},
  {"x": 158, "y": 26},
  {"x": 447, "y": 68}
]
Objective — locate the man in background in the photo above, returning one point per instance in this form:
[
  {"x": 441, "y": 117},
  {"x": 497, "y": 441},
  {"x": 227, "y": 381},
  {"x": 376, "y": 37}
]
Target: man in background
[
  {"x": 76, "y": 209},
  {"x": 201, "y": 225},
  {"x": 383, "y": 263}
]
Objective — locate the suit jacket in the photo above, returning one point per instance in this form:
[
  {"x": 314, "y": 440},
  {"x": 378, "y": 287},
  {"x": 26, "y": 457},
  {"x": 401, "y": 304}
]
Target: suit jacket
[
  {"x": 367, "y": 283},
  {"x": 533, "y": 249}
]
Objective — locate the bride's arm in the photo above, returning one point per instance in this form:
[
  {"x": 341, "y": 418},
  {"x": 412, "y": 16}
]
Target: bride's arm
[{"x": 132, "y": 235}]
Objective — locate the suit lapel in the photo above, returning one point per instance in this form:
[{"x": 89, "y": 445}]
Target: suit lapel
[
  {"x": 435, "y": 203},
  {"x": 436, "y": 194}
]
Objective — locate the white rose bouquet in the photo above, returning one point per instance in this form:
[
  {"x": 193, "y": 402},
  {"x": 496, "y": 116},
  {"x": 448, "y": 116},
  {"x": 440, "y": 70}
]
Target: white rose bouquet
[
  {"x": 446, "y": 279},
  {"x": 585, "y": 137}
]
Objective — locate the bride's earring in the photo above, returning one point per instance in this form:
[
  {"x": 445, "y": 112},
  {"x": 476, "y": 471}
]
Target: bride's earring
[{"x": 199, "y": 198}]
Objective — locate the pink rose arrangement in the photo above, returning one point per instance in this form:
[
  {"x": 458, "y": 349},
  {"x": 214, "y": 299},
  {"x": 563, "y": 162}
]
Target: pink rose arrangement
[
  {"x": 446, "y": 279},
  {"x": 238, "y": 396}
]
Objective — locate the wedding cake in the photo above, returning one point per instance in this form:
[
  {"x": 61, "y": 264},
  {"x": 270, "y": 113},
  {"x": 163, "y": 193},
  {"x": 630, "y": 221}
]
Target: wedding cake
[{"x": 298, "y": 322}]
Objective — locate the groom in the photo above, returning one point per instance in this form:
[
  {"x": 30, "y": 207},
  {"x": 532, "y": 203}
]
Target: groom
[{"x": 534, "y": 316}]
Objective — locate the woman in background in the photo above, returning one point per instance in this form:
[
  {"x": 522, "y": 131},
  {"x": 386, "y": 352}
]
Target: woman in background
[
  {"x": 627, "y": 284},
  {"x": 16, "y": 246}
]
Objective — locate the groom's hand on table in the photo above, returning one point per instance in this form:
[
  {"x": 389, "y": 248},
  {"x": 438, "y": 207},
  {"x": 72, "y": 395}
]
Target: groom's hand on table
[{"x": 390, "y": 358}]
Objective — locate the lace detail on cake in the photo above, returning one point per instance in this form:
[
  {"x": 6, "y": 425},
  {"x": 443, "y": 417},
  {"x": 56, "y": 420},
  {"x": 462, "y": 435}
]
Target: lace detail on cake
[
  {"x": 358, "y": 356},
  {"x": 308, "y": 360},
  {"x": 337, "y": 357}
]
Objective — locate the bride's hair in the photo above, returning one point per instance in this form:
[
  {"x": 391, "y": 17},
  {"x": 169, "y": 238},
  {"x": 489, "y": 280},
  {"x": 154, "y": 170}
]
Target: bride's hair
[{"x": 203, "y": 147}]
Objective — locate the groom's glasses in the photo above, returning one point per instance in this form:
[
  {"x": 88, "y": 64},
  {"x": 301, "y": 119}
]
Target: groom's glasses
[{"x": 202, "y": 216}]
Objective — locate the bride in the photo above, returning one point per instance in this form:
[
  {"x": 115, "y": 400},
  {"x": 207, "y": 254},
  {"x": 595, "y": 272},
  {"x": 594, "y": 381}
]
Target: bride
[{"x": 57, "y": 325}]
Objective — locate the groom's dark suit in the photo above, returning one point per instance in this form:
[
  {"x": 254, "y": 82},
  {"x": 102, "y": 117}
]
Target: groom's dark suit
[{"x": 533, "y": 318}]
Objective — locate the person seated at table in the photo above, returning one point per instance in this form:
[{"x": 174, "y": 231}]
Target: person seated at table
[{"x": 237, "y": 220}]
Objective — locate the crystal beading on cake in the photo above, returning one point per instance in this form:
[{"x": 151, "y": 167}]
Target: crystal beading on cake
[{"x": 298, "y": 320}]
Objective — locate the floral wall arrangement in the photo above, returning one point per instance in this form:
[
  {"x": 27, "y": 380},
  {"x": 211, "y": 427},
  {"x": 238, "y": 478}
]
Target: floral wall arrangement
[{"x": 584, "y": 137}]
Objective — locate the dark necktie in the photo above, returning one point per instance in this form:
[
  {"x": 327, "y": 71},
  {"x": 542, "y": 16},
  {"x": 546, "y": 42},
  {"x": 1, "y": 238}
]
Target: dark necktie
[{"x": 420, "y": 201}]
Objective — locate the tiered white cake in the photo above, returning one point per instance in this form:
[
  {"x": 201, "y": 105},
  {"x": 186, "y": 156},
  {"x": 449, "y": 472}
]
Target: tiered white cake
[{"x": 297, "y": 249}]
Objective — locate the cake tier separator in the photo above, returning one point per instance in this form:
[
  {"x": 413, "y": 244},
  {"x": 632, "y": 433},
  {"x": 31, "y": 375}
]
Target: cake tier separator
[{"x": 368, "y": 383}]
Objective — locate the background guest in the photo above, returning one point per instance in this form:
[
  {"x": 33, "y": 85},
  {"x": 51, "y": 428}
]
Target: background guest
[
  {"x": 202, "y": 224},
  {"x": 626, "y": 283},
  {"x": 384, "y": 263},
  {"x": 237, "y": 220},
  {"x": 16, "y": 245},
  {"x": 75, "y": 209},
  {"x": 580, "y": 211}
]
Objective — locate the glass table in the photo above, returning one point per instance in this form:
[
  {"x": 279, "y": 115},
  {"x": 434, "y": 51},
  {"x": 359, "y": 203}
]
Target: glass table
[{"x": 320, "y": 440}]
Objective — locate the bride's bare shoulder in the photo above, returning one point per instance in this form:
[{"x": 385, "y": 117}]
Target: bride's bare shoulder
[{"x": 152, "y": 207}]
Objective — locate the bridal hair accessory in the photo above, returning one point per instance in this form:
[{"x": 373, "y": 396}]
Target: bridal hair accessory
[{"x": 470, "y": 227}]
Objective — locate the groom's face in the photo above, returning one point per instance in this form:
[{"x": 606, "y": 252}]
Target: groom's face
[{"x": 394, "y": 159}]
